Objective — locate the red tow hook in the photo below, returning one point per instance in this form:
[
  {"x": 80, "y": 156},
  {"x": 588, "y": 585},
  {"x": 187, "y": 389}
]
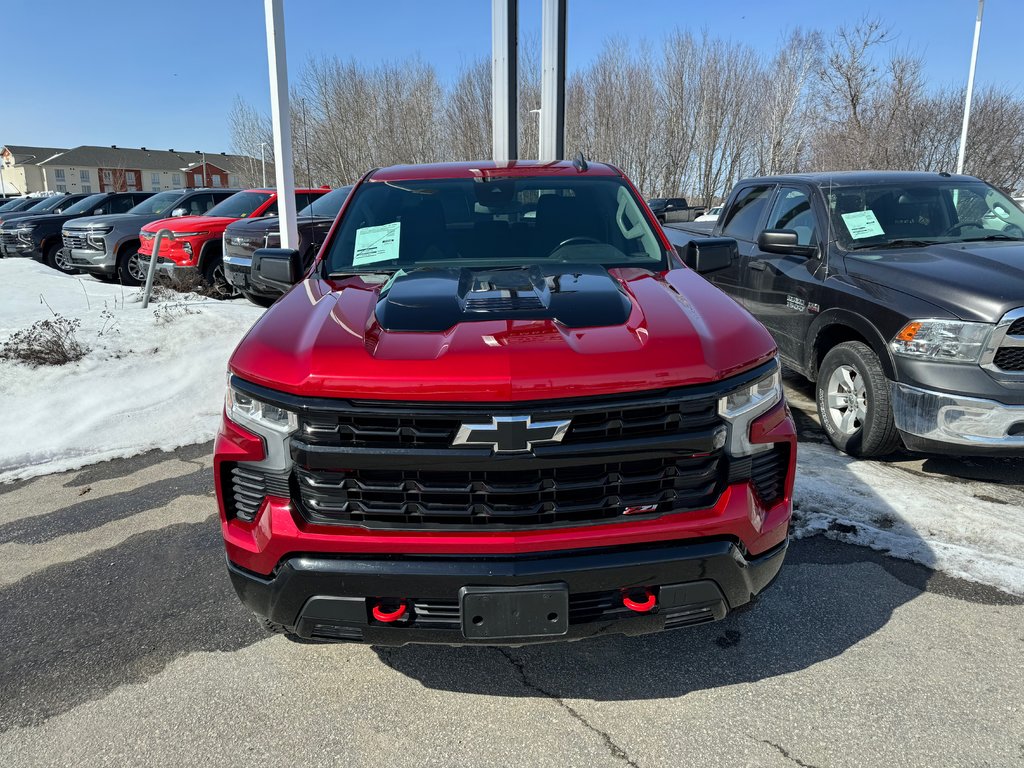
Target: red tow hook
[
  {"x": 380, "y": 613},
  {"x": 640, "y": 600}
]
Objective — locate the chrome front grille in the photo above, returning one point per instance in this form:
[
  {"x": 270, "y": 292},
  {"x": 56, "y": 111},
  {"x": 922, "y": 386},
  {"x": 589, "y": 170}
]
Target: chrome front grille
[
  {"x": 1005, "y": 352},
  {"x": 77, "y": 241}
]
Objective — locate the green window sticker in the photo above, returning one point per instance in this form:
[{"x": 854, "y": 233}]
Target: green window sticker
[
  {"x": 374, "y": 244},
  {"x": 862, "y": 224}
]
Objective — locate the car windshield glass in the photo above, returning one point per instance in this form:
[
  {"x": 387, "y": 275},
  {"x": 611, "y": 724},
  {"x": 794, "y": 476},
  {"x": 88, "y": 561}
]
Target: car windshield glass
[
  {"x": 12, "y": 205},
  {"x": 85, "y": 205},
  {"x": 157, "y": 204},
  {"x": 493, "y": 223},
  {"x": 880, "y": 215},
  {"x": 240, "y": 205},
  {"x": 48, "y": 203},
  {"x": 326, "y": 206}
]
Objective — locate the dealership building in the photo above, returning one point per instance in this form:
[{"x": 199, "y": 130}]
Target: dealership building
[{"x": 25, "y": 170}]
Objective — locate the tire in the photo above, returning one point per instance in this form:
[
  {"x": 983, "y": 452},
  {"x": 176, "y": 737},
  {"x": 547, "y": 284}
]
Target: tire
[
  {"x": 213, "y": 274},
  {"x": 57, "y": 257},
  {"x": 129, "y": 270},
  {"x": 259, "y": 301},
  {"x": 103, "y": 277},
  {"x": 853, "y": 402}
]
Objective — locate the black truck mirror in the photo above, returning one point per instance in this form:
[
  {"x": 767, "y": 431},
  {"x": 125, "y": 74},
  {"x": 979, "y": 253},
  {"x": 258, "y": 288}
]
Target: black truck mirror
[
  {"x": 784, "y": 241},
  {"x": 275, "y": 268},
  {"x": 709, "y": 254}
]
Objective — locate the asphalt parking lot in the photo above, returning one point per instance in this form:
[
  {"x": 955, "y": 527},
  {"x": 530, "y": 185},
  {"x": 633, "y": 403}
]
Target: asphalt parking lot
[{"x": 125, "y": 645}]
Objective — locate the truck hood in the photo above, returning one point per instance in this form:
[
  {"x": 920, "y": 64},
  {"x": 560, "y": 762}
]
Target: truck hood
[
  {"x": 113, "y": 220},
  {"x": 973, "y": 281},
  {"x": 191, "y": 224},
  {"x": 328, "y": 338},
  {"x": 261, "y": 226}
]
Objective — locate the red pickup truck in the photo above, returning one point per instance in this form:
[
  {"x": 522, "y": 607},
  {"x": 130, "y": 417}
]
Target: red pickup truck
[
  {"x": 500, "y": 409},
  {"x": 198, "y": 240}
]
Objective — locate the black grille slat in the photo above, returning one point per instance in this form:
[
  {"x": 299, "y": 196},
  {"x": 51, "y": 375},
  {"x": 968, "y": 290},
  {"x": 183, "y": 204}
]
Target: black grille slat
[
  {"x": 1010, "y": 358},
  {"x": 504, "y": 303},
  {"x": 768, "y": 473},
  {"x": 543, "y": 496},
  {"x": 382, "y": 426},
  {"x": 247, "y": 486},
  {"x": 1017, "y": 329},
  {"x": 8, "y": 238}
]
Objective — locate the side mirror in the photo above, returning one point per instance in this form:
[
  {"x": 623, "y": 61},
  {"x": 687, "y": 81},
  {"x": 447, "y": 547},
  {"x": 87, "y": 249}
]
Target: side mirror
[
  {"x": 709, "y": 254},
  {"x": 179, "y": 212},
  {"x": 275, "y": 269},
  {"x": 98, "y": 212},
  {"x": 784, "y": 241}
]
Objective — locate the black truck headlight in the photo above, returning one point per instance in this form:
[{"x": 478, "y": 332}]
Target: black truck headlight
[
  {"x": 252, "y": 412},
  {"x": 741, "y": 406},
  {"x": 950, "y": 341}
]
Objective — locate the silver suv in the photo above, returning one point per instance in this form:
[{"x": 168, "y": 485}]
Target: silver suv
[{"x": 107, "y": 246}]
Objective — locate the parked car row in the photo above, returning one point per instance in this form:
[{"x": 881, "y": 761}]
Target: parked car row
[{"x": 110, "y": 235}]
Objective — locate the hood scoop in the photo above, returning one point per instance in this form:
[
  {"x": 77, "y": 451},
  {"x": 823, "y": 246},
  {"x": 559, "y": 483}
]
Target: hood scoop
[{"x": 434, "y": 300}]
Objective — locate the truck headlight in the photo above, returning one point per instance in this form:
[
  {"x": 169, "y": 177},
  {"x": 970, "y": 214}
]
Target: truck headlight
[
  {"x": 248, "y": 410},
  {"x": 951, "y": 341},
  {"x": 741, "y": 406},
  {"x": 24, "y": 232}
]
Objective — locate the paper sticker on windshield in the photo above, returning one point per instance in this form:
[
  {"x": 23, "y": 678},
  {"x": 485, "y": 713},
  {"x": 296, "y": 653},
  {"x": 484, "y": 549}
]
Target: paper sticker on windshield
[
  {"x": 375, "y": 244},
  {"x": 862, "y": 224}
]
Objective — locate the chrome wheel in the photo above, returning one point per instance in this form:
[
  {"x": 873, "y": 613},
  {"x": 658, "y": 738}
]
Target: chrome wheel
[
  {"x": 62, "y": 260},
  {"x": 135, "y": 268},
  {"x": 847, "y": 400}
]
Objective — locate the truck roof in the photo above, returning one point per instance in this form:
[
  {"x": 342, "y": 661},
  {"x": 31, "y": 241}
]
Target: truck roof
[
  {"x": 850, "y": 178},
  {"x": 475, "y": 169}
]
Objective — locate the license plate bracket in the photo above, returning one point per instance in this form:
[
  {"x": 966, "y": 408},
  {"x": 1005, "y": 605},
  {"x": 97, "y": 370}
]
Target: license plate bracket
[{"x": 536, "y": 610}]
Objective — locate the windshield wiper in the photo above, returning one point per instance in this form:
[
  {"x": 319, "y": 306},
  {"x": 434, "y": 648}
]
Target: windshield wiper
[
  {"x": 901, "y": 243},
  {"x": 992, "y": 237},
  {"x": 361, "y": 273}
]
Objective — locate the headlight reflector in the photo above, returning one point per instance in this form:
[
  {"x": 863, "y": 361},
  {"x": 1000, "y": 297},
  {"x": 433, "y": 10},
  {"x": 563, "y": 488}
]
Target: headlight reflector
[
  {"x": 951, "y": 341},
  {"x": 246, "y": 409},
  {"x": 740, "y": 407}
]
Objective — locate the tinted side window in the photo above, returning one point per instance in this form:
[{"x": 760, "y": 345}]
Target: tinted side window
[
  {"x": 199, "y": 204},
  {"x": 271, "y": 209},
  {"x": 120, "y": 204},
  {"x": 746, "y": 212},
  {"x": 792, "y": 210}
]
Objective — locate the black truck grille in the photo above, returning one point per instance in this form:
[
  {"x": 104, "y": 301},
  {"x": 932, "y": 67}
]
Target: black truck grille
[
  {"x": 1010, "y": 358},
  {"x": 537, "y": 497},
  {"x": 373, "y": 425},
  {"x": 1017, "y": 329},
  {"x": 8, "y": 238}
]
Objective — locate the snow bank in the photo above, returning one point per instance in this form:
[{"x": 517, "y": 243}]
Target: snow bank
[
  {"x": 969, "y": 529},
  {"x": 154, "y": 378}
]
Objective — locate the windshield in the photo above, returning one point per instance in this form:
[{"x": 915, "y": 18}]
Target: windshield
[
  {"x": 48, "y": 203},
  {"x": 493, "y": 223},
  {"x": 880, "y": 215},
  {"x": 86, "y": 204},
  {"x": 157, "y": 204},
  {"x": 326, "y": 206},
  {"x": 13, "y": 205},
  {"x": 240, "y": 205}
]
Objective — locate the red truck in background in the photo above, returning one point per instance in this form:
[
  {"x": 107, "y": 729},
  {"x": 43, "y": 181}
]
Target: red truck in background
[
  {"x": 197, "y": 246},
  {"x": 500, "y": 409}
]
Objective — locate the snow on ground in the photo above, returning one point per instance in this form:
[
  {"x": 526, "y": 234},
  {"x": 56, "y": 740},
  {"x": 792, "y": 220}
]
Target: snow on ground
[
  {"x": 154, "y": 378},
  {"x": 968, "y": 529}
]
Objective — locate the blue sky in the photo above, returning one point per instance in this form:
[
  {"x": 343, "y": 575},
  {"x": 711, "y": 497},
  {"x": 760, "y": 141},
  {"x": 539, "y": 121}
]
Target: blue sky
[{"x": 164, "y": 74}]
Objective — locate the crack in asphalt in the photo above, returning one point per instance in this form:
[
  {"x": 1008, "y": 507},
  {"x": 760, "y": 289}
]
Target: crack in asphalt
[
  {"x": 614, "y": 749},
  {"x": 785, "y": 753}
]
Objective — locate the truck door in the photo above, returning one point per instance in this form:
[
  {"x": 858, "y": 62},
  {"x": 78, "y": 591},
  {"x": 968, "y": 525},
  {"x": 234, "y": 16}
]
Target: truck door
[
  {"x": 784, "y": 288},
  {"x": 744, "y": 220}
]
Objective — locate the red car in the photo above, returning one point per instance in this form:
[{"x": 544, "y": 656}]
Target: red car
[
  {"x": 198, "y": 245},
  {"x": 500, "y": 409}
]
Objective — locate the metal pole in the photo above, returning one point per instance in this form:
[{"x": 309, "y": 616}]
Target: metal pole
[
  {"x": 280, "y": 116},
  {"x": 263, "y": 161},
  {"x": 206, "y": 182},
  {"x": 505, "y": 79},
  {"x": 970, "y": 90},
  {"x": 552, "y": 81},
  {"x": 152, "y": 264}
]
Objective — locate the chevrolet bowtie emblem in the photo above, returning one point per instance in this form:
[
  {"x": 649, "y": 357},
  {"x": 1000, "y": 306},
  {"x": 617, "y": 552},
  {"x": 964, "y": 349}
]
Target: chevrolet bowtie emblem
[{"x": 512, "y": 434}]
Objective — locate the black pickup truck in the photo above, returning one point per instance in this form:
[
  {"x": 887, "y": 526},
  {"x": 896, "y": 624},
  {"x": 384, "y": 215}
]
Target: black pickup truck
[
  {"x": 901, "y": 295},
  {"x": 673, "y": 209}
]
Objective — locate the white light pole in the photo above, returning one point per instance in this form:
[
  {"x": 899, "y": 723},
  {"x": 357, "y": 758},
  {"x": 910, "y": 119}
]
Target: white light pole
[
  {"x": 263, "y": 161},
  {"x": 970, "y": 89},
  {"x": 505, "y": 79},
  {"x": 280, "y": 117},
  {"x": 552, "y": 81}
]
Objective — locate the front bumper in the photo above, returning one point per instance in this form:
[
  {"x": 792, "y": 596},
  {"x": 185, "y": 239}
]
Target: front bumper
[
  {"x": 17, "y": 249},
  {"x": 167, "y": 267},
  {"x": 331, "y": 598},
  {"x": 943, "y": 422}
]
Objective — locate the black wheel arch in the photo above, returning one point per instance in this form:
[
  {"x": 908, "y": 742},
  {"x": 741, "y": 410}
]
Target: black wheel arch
[
  {"x": 834, "y": 326},
  {"x": 211, "y": 248}
]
